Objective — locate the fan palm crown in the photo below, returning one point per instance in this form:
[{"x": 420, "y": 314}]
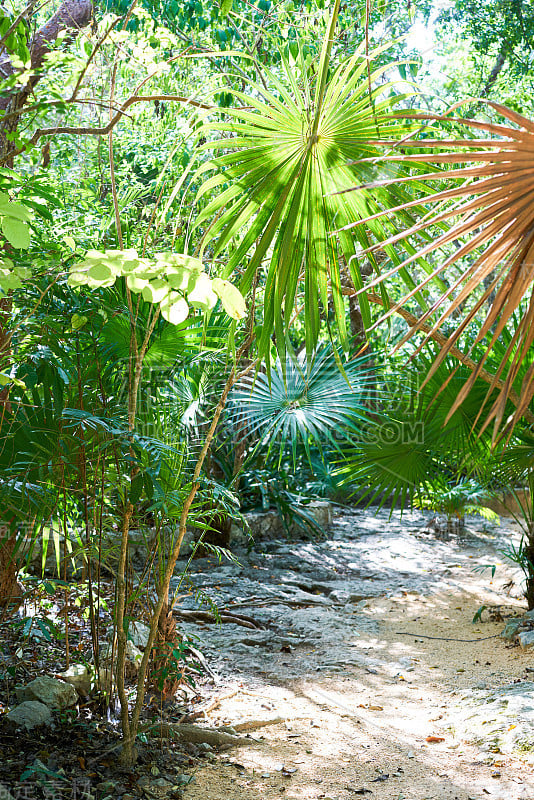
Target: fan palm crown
[{"x": 279, "y": 160}]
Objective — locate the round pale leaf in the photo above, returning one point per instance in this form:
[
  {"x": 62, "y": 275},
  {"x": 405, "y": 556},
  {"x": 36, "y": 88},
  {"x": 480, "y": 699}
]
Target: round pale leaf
[
  {"x": 178, "y": 277},
  {"x": 100, "y": 272},
  {"x": 77, "y": 278},
  {"x": 174, "y": 309},
  {"x": 155, "y": 291},
  {"x": 202, "y": 295},
  {"x": 136, "y": 284},
  {"x": 231, "y": 298}
]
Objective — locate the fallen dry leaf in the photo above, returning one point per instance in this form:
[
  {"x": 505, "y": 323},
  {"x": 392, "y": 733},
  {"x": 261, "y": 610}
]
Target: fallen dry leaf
[{"x": 435, "y": 739}]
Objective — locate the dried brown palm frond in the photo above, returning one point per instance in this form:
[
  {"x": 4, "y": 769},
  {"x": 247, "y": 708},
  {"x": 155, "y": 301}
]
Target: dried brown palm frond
[{"x": 489, "y": 212}]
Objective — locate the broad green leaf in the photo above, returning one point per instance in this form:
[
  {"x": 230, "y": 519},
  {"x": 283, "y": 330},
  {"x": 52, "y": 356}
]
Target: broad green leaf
[
  {"x": 77, "y": 321},
  {"x": 136, "y": 488},
  {"x": 6, "y": 379},
  {"x": 16, "y": 232},
  {"x": 9, "y": 281},
  {"x": 16, "y": 210}
]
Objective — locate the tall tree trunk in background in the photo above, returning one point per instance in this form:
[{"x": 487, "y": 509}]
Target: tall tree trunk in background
[
  {"x": 357, "y": 327},
  {"x": 500, "y": 61},
  {"x": 72, "y": 15},
  {"x": 494, "y": 74},
  {"x": 9, "y": 588},
  {"x": 529, "y": 557}
]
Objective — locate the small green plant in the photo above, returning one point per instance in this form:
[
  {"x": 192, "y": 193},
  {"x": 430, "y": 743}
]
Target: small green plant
[
  {"x": 478, "y": 614},
  {"x": 37, "y": 628},
  {"x": 177, "y": 663},
  {"x": 466, "y": 497},
  {"x": 268, "y": 488}
]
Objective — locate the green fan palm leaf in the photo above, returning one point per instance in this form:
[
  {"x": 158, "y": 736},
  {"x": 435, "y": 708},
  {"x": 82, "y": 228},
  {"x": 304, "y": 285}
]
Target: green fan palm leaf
[
  {"x": 280, "y": 161},
  {"x": 310, "y": 403},
  {"x": 418, "y": 441}
]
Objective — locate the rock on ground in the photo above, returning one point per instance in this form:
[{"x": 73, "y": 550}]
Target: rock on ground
[
  {"x": 78, "y": 676},
  {"x": 138, "y": 632},
  {"x": 30, "y": 714},
  {"x": 4, "y": 793},
  {"x": 50, "y": 691}
]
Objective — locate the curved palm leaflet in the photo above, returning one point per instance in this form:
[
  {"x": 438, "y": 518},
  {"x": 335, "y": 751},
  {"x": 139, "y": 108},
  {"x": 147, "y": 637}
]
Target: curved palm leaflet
[{"x": 490, "y": 218}]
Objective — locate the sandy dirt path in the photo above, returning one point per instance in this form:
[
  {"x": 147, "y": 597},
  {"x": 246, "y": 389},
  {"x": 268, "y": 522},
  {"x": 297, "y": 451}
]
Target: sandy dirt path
[{"x": 382, "y": 699}]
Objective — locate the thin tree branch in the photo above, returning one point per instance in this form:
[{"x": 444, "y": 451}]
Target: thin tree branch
[
  {"x": 105, "y": 129},
  {"x": 95, "y": 50}
]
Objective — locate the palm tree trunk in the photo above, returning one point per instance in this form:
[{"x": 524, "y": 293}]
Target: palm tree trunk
[{"x": 10, "y": 589}]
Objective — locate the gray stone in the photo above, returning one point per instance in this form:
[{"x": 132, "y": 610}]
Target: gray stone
[
  {"x": 5, "y": 794},
  {"x": 78, "y": 676},
  {"x": 268, "y": 524},
  {"x": 133, "y": 654},
  {"x": 343, "y": 597},
  {"x": 138, "y": 632},
  {"x": 526, "y": 639},
  {"x": 511, "y": 629},
  {"x": 498, "y": 721},
  {"x": 30, "y": 714},
  {"x": 50, "y": 691}
]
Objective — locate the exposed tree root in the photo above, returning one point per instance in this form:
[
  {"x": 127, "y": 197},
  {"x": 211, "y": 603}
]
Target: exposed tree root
[
  {"x": 195, "y": 734},
  {"x": 206, "y": 616},
  {"x": 255, "y": 724}
]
